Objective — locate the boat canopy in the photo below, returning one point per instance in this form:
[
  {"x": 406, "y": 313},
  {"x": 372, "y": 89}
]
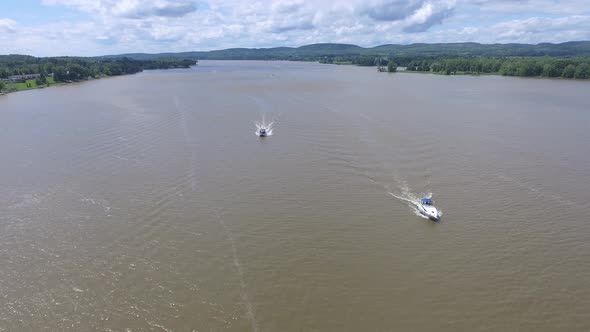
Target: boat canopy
[{"x": 426, "y": 201}]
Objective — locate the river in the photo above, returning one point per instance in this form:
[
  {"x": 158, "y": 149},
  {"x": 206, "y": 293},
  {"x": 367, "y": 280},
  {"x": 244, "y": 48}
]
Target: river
[{"x": 146, "y": 202}]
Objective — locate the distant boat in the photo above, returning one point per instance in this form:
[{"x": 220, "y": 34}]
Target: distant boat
[
  {"x": 426, "y": 207},
  {"x": 263, "y": 128}
]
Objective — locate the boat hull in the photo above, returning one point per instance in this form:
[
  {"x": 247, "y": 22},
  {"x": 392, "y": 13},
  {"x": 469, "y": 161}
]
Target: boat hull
[{"x": 433, "y": 214}]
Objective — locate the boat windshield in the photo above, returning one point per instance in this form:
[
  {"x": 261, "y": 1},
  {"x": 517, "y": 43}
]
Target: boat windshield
[{"x": 426, "y": 201}]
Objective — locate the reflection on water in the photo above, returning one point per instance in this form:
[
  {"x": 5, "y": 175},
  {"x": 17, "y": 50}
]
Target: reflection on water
[{"x": 144, "y": 202}]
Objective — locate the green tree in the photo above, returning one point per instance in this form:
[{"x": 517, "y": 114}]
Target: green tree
[
  {"x": 76, "y": 72},
  {"x": 436, "y": 67},
  {"x": 508, "y": 68},
  {"x": 569, "y": 71},
  {"x": 549, "y": 70},
  {"x": 59, "y": 74},
  {"x": 391, "y": 66},
  {"x": 1, "y": 85},
  {"x": 527, "y": 68},
  {"x": 582, "y": 71}
]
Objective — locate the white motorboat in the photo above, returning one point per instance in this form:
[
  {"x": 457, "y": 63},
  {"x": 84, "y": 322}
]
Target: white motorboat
[{"x": 426, "y": 207}]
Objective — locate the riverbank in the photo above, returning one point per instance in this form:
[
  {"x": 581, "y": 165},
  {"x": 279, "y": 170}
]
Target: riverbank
[
  {"x": 484, "y": 74},
  {"x": 45, "y": 72},
  {"x": 32, "y": 84},
  {"x": 470, "y": 73},
  {"x": 29, "y": 85},
  {"x": 445, "y": 74},
  {"x": 85, "y": 163},
  {"x": 552, "y": 67},
  {"x": 10, "y": 87}
]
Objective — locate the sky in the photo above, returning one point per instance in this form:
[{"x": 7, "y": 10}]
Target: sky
[{"x": 101, "y": 27}]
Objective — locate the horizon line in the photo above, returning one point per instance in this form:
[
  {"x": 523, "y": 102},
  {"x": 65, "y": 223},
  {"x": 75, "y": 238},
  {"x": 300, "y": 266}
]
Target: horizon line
[{"x": 296, "y": 47}]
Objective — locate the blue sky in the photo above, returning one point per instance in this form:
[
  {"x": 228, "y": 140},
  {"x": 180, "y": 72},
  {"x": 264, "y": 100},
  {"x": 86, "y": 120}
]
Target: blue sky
[{"x": 98, "y": 27}]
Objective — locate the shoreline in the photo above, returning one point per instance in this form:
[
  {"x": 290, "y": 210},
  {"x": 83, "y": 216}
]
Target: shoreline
[
  {"x": 460, "y": 73},
  {"x": 46, "y": 72},
  {"x": 492, "y": 74},
  {"x": 48, "y": 85}
]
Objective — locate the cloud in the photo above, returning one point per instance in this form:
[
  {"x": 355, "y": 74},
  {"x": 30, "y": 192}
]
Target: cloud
[
  {"x": 122, "y": 26},
  {"x": 537, "y": 29},
  {"x": 289, "y": 15},
  {"x": 417, "y": 15},
  {"x": 280, "y": 27},
  {"x": 527, "y": 6},
  {"x": 392, "y": 10},
  {"x": 530, "y": 31},
  {"x": 7, "y": 25},
  {"x": 431, "y": 13},
  {"x": 135, "y": 9},
  {"x": 168, "y": 33},
  {"x": 169, "y": 8}
]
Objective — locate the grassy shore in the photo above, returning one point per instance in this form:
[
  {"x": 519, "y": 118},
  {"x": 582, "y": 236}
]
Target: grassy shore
[
  {"x": 28, "y": 85},
  {"x": 459, "y": 73}
]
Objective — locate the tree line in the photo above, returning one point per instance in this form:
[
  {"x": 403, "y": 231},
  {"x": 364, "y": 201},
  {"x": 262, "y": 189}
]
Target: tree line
[
  {"x": 316, "y": 52},
  {"x": 66, "y": 69},
  {"x": 508, "y": 66},
  {"x": 543, "y": 66}
]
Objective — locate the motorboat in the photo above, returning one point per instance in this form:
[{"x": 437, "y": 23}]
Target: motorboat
[
  {"x": 262, "y": 132},
  {"x": 426, "y": 207}
]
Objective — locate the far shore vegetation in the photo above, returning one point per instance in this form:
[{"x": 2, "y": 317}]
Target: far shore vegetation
[
  {"x": 578, "y": 68},
  {"x": 23, "y": 72},
  {"x": 564, "y": 60},
  {"x": 570, "y": 60}
]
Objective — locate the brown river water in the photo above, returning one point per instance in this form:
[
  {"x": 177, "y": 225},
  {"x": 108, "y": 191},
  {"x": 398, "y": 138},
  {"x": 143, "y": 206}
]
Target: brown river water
[{"x": 147, "y": 203}]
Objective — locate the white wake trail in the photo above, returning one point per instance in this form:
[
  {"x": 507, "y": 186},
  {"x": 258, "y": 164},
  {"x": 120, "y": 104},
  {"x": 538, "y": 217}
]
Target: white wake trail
[
  {"x": 411, "y": 199},
  {"x": 403, "y": 193},
  {"x": 189, "y": 142},
  {"x": 240, "y": 272},
  {"x": 268, "y": 126}
]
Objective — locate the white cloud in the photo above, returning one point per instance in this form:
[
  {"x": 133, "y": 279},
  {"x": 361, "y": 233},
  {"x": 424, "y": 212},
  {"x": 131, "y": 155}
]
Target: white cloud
[
  {"x": 7, "y": 25},
  {"x": 120, "y": 26},
  {"x": 290, "y": 15},
  {"x": 131, "y": 8},
  {"x": 417, "y": 15},
  {"x": 531, "y": 31},
  {"x": 545, "y": 29},
  {"x": 429, "y": 14},
  {"x": 519, "y": 7},
  {"x": 390, "y": 10}
]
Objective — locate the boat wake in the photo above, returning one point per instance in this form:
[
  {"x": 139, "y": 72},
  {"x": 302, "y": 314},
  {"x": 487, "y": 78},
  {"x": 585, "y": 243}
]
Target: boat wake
[
  {"x": 268, "y": 126},
  {"x": 411, "y": 199},
  {"x": 401, "y": 191},
  {"x": 240, "y": 271}
]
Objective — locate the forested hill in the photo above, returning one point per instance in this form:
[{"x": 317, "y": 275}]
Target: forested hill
[{"x": 317, "y": 51}]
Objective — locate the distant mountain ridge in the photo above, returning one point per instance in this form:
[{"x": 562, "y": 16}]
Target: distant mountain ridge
[{"x": 318, "y": 51}]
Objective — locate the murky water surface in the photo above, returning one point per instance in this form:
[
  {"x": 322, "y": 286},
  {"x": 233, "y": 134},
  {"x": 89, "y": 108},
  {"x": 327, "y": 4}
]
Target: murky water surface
[{"x": 147, "y": 203}]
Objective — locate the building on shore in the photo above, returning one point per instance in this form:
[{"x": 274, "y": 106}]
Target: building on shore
[{"x": 22, "y": 78}]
